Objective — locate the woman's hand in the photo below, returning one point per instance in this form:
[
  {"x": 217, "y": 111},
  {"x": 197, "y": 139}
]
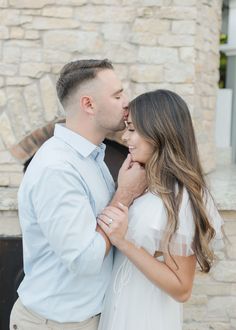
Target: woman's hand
[{"x": 114, "y": 222}]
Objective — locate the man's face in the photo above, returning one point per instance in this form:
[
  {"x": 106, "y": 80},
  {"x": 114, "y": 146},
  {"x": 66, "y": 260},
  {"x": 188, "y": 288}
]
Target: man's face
[{"x": 110, "y": 102}]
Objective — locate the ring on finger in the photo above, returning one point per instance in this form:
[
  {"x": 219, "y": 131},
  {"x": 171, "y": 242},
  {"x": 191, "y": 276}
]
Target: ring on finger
[{"x": 110, "y": 220}]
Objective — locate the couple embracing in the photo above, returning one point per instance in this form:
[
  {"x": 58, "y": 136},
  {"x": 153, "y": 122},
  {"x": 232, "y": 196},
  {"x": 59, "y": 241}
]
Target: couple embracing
[{"x": 102, "y": 257}]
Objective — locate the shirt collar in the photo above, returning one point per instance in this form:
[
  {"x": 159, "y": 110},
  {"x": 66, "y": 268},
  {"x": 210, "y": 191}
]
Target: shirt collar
[{"x": 78, "y": 142}]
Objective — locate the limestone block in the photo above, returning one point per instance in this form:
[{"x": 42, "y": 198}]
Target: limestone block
[
  {"x": 147, "y": 12},
  {"x": 15, "y": 179},
  {"x": 197, "y": 300},
  {"x": 29, "y": 55},
  {"x": 6, "y": 131},
  {"x": 143, "y": 38},
  {"x": 1, "y": 79},
  {"x": 179, "y": 73},
  {"x": 157, "y": 55},
  {"x": 221, "y": 308},
  {"x": 4, "y": 32},
  {"x": 184, "y": 27},
  {"x": 3, "y": 99},
  {"x": 53, "y": 56},
  {"x": 151, "y": 25},
  {"x": 9, "y": 226},
  {"x": 32, "y": 34},
  {"x": 171, "y": 40},
  {"x": 106, "y": 2},
  {"x": 2, "y": 146},
  {"x": 16, "y": 32},
  {"x": 17, "y": 111},
  {"x": 115, "y": 32},
  {"x": 232, "y": 324},
  {"x": 213, "y": 288},
  {"x": 187, "y": 54},
  {"x": 185, "y": 2},
  {"x": 23, "y": 43},
  {"x": 34, "y": 70},
  {"x": 144, "y": 2},
  {"x": 225, "y": 271},
  {"x": 18, "y": 81},
  {"x": 46, "y": 23},
  {"x": 4, "y": 178},
  {"x": 8, "y": 199},
  {"x": 6, "y": 157},
  {"x": 72, "y": 2},
  {"x": 81, "y": 41},
  {"x": 120, "y": 53},
  {"x": 176, "y": 13},
  {"x": 49, "y": 98},
  {"x": 34, "y": 105},
  {"x": 184, "y": 89},
  {"x": 11, "y": 55},
  {"x": 195, "y": 326},
  {"x": 194, "y": 313},
  {"x": 8, "y": 69},
  {"x": 121, "y": 70},
  {"x": 9, "y": 17},
  {"x": 3, "y": 4},
  {"x": 57, "y": 11},
  {"x": 231, "y": 249},
  {"x": 105, "y": 14},
  {"x": 146, "y": 73},
  {"x": 30, "y": 4}
]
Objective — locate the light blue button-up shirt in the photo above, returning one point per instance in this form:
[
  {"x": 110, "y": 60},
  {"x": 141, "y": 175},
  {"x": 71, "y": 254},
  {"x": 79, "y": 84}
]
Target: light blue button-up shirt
[{"x": 65, "y": 187}]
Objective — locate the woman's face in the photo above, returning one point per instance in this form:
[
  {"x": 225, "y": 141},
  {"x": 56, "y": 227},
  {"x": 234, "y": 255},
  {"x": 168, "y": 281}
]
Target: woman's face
[{"x": 140, "y": 149}]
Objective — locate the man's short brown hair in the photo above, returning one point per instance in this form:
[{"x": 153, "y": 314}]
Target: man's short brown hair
[{"x": 76, "y": 73}]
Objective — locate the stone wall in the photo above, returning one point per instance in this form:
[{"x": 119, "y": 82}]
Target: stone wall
[{"x": 213, "y": 302}]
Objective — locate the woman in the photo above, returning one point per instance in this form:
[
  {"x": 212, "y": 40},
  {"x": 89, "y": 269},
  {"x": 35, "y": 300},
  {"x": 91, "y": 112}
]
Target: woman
[{"x": 172, "y": 226}]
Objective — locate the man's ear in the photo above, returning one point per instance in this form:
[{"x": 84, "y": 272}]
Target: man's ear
[{"x": 87, "y": 104}]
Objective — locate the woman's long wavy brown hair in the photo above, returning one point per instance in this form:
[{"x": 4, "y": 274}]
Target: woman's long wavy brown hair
[{"x": 162, "y": 118}]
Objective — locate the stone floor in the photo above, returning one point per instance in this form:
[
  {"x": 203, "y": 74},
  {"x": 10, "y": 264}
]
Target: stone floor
[{"x": 222, "y": 184}]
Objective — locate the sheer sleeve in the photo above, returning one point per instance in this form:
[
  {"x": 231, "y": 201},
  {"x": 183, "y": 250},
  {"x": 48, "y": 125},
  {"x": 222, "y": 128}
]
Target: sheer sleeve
[{"x": 181, "y": 243}]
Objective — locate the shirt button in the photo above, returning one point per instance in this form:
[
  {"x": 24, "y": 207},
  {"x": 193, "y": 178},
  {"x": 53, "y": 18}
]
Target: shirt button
[{"x": 14, "y": 326}]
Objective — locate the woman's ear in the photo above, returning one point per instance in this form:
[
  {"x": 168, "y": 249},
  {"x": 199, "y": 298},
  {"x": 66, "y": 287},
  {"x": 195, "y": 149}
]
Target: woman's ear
[{"x": 87, "y": 104}]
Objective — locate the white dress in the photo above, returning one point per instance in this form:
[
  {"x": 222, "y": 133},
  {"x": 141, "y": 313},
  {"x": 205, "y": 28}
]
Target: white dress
[{"x": 133, "y": 302}]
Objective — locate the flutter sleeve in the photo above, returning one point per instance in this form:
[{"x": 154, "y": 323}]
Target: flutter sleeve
[{"x": 181, "y": 242}]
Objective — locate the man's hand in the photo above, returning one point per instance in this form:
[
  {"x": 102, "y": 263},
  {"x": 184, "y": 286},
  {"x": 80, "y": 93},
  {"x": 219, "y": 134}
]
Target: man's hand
[
  {"x": 131, "y": 182},
  {"x": 114, "y": 222}
]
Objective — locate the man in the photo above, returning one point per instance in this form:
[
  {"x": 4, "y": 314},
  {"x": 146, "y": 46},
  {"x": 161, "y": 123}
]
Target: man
[{"x": 67, "y": 257}]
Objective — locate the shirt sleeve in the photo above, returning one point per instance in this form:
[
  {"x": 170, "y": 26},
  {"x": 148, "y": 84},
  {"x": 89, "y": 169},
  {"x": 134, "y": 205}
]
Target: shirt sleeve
[{"x": 67, "y": 220}]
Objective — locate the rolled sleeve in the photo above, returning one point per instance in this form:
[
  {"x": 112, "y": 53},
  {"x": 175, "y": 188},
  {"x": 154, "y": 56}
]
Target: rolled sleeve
[{"x": 67, "y": 220}]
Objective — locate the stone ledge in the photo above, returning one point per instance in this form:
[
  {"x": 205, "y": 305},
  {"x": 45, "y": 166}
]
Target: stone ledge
[{"x": 222, "y": 183}]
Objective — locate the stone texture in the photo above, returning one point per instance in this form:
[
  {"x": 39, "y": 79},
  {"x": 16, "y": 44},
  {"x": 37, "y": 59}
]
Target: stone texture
[
  {"x": 49, "y": 98},
  {"x": 8, "y": 69},
  {"x": 45, "y": 23},
  {"x": 151, "y": 25},
  {"x": 225, "y": 271},
  {"x": 29, "y": 3},
  {"x": 6, "y": 131},
  {"x": 157, "y": 55},
  {"x": 105, "y": 14},
  {"x": 11, "y": 55},
  {"x": 146, "y": 73},
  {"x": 16, "y": 110},
  {"x": 179, "y": 73},
  {"x": 34, "y": 105},
  {"x": 3, "y": 99},
  {"x": 73, "y": 41},
  {"x": 57, "y": 11},
  {"x": 34, "y": 70}
]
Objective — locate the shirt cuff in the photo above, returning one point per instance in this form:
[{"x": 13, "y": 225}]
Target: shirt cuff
[{"x": 91, "y": 260}]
